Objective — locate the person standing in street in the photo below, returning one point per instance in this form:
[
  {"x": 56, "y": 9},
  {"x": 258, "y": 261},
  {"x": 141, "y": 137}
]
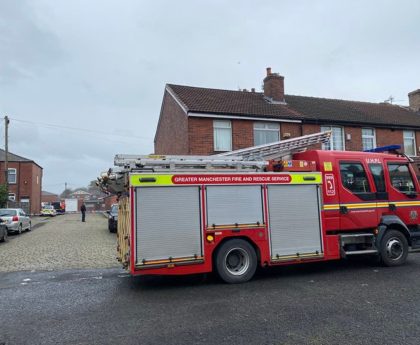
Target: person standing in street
[{"x": 83, "y": 210}]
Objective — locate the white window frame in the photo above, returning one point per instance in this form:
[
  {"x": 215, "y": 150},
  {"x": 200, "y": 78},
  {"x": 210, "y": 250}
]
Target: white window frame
[
  {"x": 14, "y": 174},
  {"x": 331, "y": 142},
  {"x": 12, "y": 197},
  {"x": 413, "y": 138},
  {"x": 368, "y": 136},
  {"x": 221, "y": 126},
  {"x": 267, "y": 130}
]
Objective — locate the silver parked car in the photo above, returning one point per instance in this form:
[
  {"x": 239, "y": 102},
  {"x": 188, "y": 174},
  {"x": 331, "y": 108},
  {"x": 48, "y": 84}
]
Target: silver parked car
[{"x": 15, "y": 219}]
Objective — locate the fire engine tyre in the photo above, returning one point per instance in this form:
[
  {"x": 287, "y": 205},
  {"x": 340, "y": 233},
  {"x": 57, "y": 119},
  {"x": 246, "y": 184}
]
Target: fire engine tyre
[
  {"x": 236, "y": 261},
  {"x": 393, "y": 248}
]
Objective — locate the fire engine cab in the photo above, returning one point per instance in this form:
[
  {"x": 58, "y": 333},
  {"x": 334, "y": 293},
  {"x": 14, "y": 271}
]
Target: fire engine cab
[{"x": 233, "y": 212}]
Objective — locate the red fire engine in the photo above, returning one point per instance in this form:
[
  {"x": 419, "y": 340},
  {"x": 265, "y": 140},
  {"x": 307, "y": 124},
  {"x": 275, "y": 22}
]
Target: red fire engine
[{"x": 233, "y": 212}]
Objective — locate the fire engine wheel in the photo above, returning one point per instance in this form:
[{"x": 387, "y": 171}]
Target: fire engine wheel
[
  {"x": 236, "y": 261},
  {"x": 394, "y": 248}
]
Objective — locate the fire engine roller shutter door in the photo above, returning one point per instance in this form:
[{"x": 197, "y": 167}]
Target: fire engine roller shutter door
[
  {"x": 228, "y": 205},
  {"x": 168, "y": 223},
  {"x": 294, "y": 220}
]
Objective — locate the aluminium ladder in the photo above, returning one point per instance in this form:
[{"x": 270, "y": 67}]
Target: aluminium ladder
[{"x": 254, "y": 158}]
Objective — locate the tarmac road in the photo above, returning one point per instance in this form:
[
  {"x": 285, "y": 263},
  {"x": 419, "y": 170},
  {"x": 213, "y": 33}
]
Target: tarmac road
[{"x": 328, "y": 303}]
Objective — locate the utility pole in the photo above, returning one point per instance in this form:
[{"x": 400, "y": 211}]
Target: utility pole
[{"x": 6, "y": 156}]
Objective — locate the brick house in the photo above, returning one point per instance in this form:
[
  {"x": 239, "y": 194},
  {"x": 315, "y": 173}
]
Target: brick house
[
  {"x": 25, "y": 181},
  {"x": 48, "y": 198},
  {"x": 202, "y": 121}
]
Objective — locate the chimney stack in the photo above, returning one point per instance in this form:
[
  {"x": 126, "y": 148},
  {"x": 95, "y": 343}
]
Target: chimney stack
[
  {"x": 274, "y": 86},
  {"x": 414, "y": 100}
]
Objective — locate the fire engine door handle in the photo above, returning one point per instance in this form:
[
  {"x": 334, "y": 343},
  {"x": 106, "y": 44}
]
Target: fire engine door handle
[{"x": 344, "y": 209}]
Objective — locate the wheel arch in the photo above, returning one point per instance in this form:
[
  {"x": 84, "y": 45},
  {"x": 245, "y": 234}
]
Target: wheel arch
[
  {"x": 394, "y": 223},
  {"x": 245, "y": 238}
]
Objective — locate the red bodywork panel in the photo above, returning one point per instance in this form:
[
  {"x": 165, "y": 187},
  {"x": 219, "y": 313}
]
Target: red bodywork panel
[
  {"x": 360, "y": 214},
  {"x": 367, "y": 213}
]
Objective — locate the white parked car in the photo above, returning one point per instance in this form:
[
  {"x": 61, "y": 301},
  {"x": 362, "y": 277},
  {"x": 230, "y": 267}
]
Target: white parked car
[{"x": 15, "y": 219}]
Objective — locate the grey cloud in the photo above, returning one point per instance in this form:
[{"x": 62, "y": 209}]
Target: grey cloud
[
  {"x": 103, "y": 64},
  {"x": 26, "y": 48}
]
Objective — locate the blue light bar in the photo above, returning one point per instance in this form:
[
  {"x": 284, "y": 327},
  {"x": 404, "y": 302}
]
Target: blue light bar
[{"x": 385, "y": 148}]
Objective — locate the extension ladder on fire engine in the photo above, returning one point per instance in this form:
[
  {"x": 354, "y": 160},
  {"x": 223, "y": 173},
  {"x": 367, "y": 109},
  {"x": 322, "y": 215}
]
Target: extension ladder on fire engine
[
  {"x": 250, "y": 159},
  {"x": 254, "y": 158},
  {"x": 279, "y": 149},
  {"x": 157, "y": 163}
]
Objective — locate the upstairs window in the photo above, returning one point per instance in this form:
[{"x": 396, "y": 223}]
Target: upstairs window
[
  {"x": 368, "y": 138},
  {"x": 336, "y": 142},
  {"x": 12, "y": 176},
  {"x": 400, "y": 177},
  {"x": 222, "y": 135},
  {"x": 354, "y": 178},
  {"x": 409, "y": 143},
  {"x": 266, "y": 132}
]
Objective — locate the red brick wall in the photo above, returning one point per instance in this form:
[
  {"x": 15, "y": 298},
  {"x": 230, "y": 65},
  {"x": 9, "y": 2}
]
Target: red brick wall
[
  {"x": 27, "y": 185},
  {"x": 383, "y": 137},
  {"x": 311, "y": 129},
  {"x": 355, "y": 142},
  {"x": 200, "y": 136},
  {"x": 294, "y": 129},
  {"x": 13, "y": 187},
  {"x": 274, "y": 87},
  {"x": 242, "y": 134},
  {"x": 36, "y": 189},
  {"x": 172, "y": 131},
  {"x": 50, "y": 198},
  {"x": 389, "y": 137},
  {"x": 199, "y": 140}
]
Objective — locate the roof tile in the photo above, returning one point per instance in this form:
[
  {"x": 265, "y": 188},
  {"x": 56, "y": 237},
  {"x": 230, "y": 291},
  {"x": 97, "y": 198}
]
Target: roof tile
[{"x": 242, "y": 103}]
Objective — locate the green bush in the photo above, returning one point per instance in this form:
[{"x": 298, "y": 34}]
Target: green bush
[{"x": 3, "y": 195}]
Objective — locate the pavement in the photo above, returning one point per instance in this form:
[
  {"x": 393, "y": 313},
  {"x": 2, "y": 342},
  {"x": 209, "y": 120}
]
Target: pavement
[
  {"x": 344, "y": 302},
  {"x": 61, "y": 242}
]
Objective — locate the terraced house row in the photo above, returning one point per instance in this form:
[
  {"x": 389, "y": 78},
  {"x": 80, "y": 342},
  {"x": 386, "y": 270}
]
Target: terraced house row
[{"x": 203, "y": 121}]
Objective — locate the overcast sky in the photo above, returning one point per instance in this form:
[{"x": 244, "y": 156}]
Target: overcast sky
[{"x": 102, "y": 66}]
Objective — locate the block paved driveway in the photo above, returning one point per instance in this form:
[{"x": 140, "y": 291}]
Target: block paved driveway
[{"x": 62, "y": 242}]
